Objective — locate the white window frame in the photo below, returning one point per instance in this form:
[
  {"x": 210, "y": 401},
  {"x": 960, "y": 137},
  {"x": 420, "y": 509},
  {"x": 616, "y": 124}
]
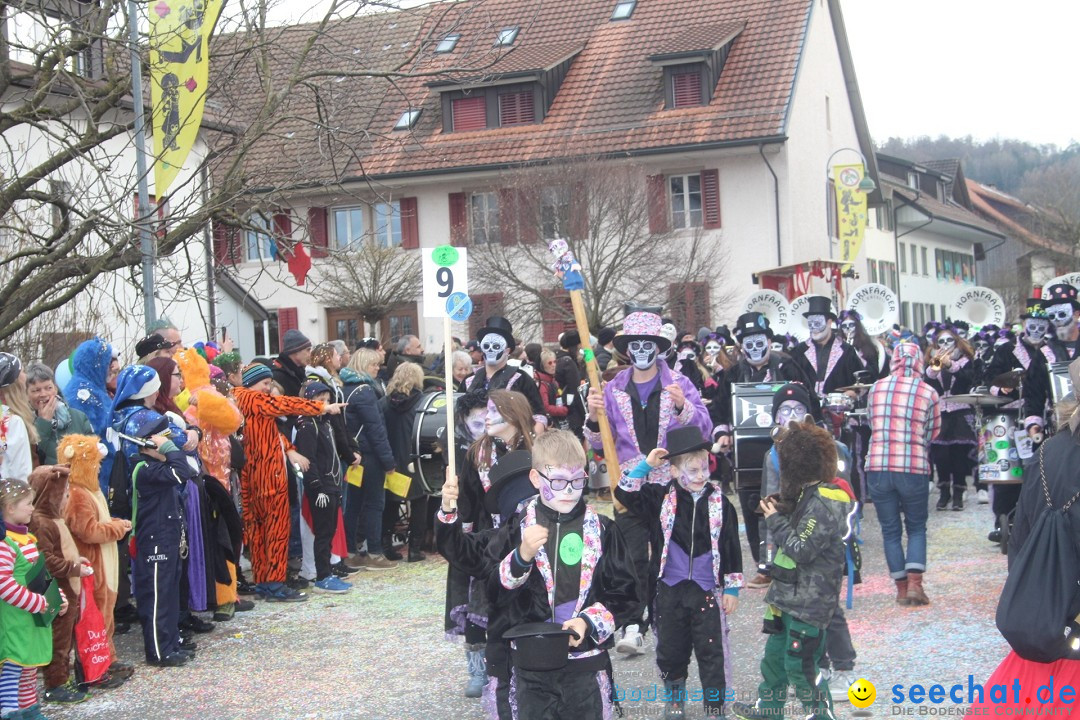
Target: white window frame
[
  {"x": 387, "y": 234},
  {"x": 483, "y": 207},
  {"x": 685, "y": 219},
  {"x": 902, "y": 257},
  {"x": 262, "y": 243},
  {"x": 555, "y": 211},
  {"x": 354, "y": 239}
]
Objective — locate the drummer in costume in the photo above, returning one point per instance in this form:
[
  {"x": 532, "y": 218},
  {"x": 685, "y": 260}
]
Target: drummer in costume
[
  {"x": 950, "y": 371},
  {"x": 496, "y": 340},
  {"x": 873, "y": 357},
  {"x": 1064, "y": 311},
  {"x": 825, "y": 360},
  {"x": 758, "y": 363}
]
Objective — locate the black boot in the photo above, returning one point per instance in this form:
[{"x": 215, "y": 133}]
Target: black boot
[
  {"x": 958, "y": 497},
  {"x": 946, "y": 495},
  {"x": 675, "y": 707}
]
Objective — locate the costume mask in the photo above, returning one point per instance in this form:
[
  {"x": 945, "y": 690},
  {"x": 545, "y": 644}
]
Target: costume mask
[
  {"x": 819, "y": 327},
  {"x": 1061, "y": 315},
  {"x": 962, "y": 333},
  {"x": 642, "y": 353},
  {"x": 712, "y": 348},
  {"x": 1035, "y": 329},
  {"x": 756, "y": 348},
  {"x": 981, "y": 346},
  {"x": 494, "y": 347},
  {"x": 790, "y": 410},
  {"x": 561, "y": 487},
  {"x": 946, "y": 342},
  {"x": 777, "y": 346},
  {"x": 494, "y": 423},
  {"x": 687, "y": 354},
  {"x": 693, "y": 474},
  {"x": 476, "y": 422},
  {"x": 848, "y": 328}
]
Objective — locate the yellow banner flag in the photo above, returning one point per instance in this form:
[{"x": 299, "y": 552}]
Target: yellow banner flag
[
  {"x": 179, "y": 71},
  {"x": 850, "y": 209}
]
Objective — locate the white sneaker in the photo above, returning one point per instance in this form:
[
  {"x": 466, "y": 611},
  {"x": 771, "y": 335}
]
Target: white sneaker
[
  {"x": 984, "y": 497},
  {"x": 631, "y": 643},
  {"x": 839, "y": 683}
]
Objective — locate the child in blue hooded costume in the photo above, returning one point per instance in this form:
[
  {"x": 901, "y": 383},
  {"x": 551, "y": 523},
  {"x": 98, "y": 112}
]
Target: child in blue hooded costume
[{"x": 86, "y": 392}]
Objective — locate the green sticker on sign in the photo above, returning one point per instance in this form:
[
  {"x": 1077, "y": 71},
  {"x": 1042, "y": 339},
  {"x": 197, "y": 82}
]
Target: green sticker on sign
[
  {"x": 1001, "y": 445},
  {"x": 991, "y": 456},
  {"x": 1017, "y": 472},
  {"x": 589, "y": 355},
  {"x": 570, "y": 549},
  {"x": 445, "y": 255}
]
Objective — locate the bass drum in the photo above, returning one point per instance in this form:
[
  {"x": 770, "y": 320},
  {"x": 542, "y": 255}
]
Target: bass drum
[
  {"x": 429, "y": 433},
  {"x": 999, "y": 456}
]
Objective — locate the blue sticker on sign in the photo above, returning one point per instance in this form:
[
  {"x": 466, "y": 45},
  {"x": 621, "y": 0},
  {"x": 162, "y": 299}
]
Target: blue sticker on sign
[{"x": 459, "y": 307}]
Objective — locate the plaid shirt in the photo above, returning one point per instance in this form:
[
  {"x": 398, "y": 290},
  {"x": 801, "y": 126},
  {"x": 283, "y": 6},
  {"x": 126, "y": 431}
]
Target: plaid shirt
[{"x": 904, "y": 418}]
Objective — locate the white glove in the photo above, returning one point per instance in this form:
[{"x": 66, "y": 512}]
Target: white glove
[
  {"x": 411, "y": 467},
  {"x": 322, "y": 500}
]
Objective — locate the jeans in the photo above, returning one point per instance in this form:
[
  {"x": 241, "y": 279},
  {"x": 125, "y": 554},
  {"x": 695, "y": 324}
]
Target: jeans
[
  {"x": 364, "y": 509},
  {"x": 895, "y": 494}
]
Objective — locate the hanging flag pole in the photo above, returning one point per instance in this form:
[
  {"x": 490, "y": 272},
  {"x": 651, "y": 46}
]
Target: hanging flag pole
[{"x": 142, "y": 202}]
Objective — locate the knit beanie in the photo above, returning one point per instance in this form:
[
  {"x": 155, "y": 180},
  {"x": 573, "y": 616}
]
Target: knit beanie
[
  {"x": 791, "y": 391},
  {"x": 255, "y": 372},
  {"x": 294, "y": 341}
]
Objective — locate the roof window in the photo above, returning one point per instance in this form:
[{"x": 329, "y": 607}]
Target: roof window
[
  {"x": 623, "y": 10},
  {"x": 448, "y": 43},
  {"x": 507, "y": 36},
  {"x": 407, "y": 120}
]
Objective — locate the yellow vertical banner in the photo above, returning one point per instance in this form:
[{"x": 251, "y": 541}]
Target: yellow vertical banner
[
  {"x": 850, "y": 209},
  {"x": 179, "y": 72}
]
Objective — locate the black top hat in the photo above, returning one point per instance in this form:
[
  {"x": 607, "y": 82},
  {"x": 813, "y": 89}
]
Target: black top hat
[
  {"x": 509, "y": 483},
  {"x": 540, "y": 646},
  {"x": 752, "y": 323},
  {"x": 819, "y": 305},
  {"x": 499, "y": 326},
  {"x": 684, "y": 440},
  {"x": 1034, "y": 308},
  {"x": 1060, "y": 294}
]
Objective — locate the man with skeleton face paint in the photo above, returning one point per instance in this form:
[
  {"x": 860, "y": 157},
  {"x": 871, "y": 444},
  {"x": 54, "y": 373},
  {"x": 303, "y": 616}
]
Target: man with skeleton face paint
[
  {"x": 643, "y": 403},
  {"x": 1030, "y": 355},
  {"x": 825, "y": 360},
  {"x": 1064, "y": 311},
  {"x": 496, "y": 340},
  {"x": 951, "y": 371}
]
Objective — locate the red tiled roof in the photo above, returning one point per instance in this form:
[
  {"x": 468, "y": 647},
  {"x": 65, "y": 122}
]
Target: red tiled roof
[
  {"x": 610, "y": 102},
  {"x": 985, "y": 201},
  {"x": 944, "y": 211}
]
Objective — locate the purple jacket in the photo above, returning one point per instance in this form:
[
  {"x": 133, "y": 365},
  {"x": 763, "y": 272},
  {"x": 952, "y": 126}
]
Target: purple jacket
[{"x": 619, "y": 408}]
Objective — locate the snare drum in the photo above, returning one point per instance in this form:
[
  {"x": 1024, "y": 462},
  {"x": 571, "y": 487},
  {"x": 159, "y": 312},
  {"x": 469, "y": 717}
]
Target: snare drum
[
  {"x": 999, "y": 458},
  {"x": 838, "y": 402}
]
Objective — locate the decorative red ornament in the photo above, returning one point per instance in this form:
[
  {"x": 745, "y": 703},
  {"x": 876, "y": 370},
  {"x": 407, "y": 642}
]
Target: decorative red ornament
[
  {"x": 191, "y": 84},
  {"x": 162, "y": 9},
  {"x": 299, "y": 263}
]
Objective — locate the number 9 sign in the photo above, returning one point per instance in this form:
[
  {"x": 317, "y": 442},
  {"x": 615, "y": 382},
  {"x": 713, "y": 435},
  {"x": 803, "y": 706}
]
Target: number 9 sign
[{"x": 446, "y": 272}]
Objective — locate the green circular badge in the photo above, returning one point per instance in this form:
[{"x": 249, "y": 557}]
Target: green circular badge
[
  {"x": 589, "y": 355},
  {"x": 445, "y": 255},
  {"x": 1017, "y": 472},
  {"x": 570, "y": 549},
  {"x": 1001, "y": 445},
  {"x": 991, "y": 456}
]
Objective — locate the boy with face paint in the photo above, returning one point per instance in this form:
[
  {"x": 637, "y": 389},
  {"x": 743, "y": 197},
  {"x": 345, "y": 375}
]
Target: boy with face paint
[
  {"x": 825, "y": 360},
  {"x": 697, "y": 565},
  {"x": 497, "y": 344}
]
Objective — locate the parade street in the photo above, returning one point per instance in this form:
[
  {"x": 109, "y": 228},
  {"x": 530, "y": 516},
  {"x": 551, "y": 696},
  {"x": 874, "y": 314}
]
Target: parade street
[{"x": 378, "y": 653}]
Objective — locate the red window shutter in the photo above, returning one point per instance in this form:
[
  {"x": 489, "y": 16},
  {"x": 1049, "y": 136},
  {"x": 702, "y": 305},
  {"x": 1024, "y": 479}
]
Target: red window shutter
[
  {"x": 686, "y": 89},
  {"x": 282, "y": 225},
  {"x": 557, "y": 318},
  {"x": 459, "y": 219},
  {"x": 508, "y": 216},
  {"x": 710, "y": 198},
  {"x": 469, "y": 113},
  {"x": 484, "y": 306},
  {"x": 410, "y": 227},
  {"x": 658, "y": 204},
  {"x": 579, "y": 212},
  {"x": 317, "y": 232},
  {"x": 517, "y": 108},
  {"x": 286, "y": 320},
  {"x": 528, "y": 217},
  {"x": 226, "y": 245}
]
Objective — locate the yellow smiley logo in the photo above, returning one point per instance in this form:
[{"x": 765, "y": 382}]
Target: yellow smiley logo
[{"x": 862, "y": 693}]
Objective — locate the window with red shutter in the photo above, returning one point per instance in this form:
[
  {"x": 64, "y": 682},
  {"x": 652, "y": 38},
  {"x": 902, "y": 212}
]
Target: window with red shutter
[
  {"x": 516, "y": 108},
  {"x": 710, "y": 198},
  {"x": 484, "y": 306},
  {"x": 287, "y": 320},
  {"x": 459, "y": 219},
  {"x": 410, "y": 227},
  {"x": 469, "y": 113},
  {"x": 557, "y": 318},
  {"x": 317, "y": 234},
  {"x": 657, "y": 198},
  {"x": 283, "y": 235},
  {"x": 226, "y": 243},
  {"x": 686, "y": 89}
]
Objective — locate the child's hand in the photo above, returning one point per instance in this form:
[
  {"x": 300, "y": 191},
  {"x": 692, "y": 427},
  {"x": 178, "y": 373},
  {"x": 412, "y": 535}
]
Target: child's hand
[
  {"x": 595, "y": 402},
  {"x": 729, "y": 603},
  {"x": 356, "y": 458},
  {"x": 449, "y": 495},
  {"x": 158, "y": 440},
  {"x": 85, "y": 570},
  {"x": 125, "y": 525},
  {"x": 656, "y": 457},
  {"x": 767, "y": 506},
  {"x": 333, "y": 408},
  {"x": 532, "y": 540},
  {"x": 192, "y": 441},
  {"x": 63, "y": 603},
  {"x": 579, "y": 626},
  {"x": 298, "y": 459}
]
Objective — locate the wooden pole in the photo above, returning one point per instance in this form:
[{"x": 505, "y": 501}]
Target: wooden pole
[
  {"x": 448, "y": 377},
  {"x": 611, "y": 459}
]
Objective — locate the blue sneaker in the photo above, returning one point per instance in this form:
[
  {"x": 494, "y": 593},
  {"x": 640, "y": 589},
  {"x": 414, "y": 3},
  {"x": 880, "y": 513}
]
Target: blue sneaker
[{"x": 332, "y": 584}]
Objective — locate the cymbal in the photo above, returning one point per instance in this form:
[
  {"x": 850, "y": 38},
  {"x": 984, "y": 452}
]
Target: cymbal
[
  {"x": 857, "y": 387},
  {"x": 1008, "y": 380},
  {"x": 978, "y": 400}
]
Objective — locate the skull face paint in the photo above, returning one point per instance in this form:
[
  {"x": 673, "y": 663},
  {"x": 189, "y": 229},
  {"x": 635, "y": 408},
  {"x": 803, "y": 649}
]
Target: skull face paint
[
  {"x": 756, "y": 348},
  {"x": 476, "y": 422},
  {"x": 494, "y": 347},
  {"x": 981, "y": 346},
  {"x": 790, "y": 410},
  {"x": 1061, "y": 315},
  {"x": 848, "y": 328},
  {"x": 712, "y": 348},
  {"x": 570, "y": 482},
  {"x": 777, "y": 346},
  {"x": 1035, "y": 329},
  {"x": 642, "y": 353},
  {"x": 819, "y": 327},
  {"x": 693, "y": 473},
  {"x": 946, "y": 342},
  {"x": 495, "y": 424}
]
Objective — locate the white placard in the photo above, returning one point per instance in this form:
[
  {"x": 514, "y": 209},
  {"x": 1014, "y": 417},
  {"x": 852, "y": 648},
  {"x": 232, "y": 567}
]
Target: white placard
[
  {"x": 446, "y": 271},
  {"x": 978, "y": 306},
  {"x": 773, "y": 306},
  {"x": 797, "y": 326},
  {"x": 1067, "y": 279},
  {"x": 877, "y": 305}
]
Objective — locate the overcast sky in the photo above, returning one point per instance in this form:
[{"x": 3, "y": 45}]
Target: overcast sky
[{"x": 988, "y": 68}]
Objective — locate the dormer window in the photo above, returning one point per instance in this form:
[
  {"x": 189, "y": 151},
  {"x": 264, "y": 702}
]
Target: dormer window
[
  {"x": 623, "y": 10},
  {"x": 448, "y": 43},
  {"x": 913, "y": 180},
  {"x": 407, "y": 120},
  {"x": 692, "y": 68},
  {"x": 506, "y": 36},
  {"x": 686, "y": 86}
]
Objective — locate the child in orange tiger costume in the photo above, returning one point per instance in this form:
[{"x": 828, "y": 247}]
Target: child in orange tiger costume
[{"x": 264, "y": 481}]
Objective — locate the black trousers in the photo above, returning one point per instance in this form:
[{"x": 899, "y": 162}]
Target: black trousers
[
  {"x": 839, "y": 649},
  {"x": 635, "y": 530},
  {"x": 566, "y": 694},
  {"x": 158, "y": 569},
  {"x": 1005, "y": 498},
  {"x": 418, "y": 517},
  {"x": 323, "y": 526},
  {"x": 749, "y": 497},
  {"x": 688, "y": 619}
]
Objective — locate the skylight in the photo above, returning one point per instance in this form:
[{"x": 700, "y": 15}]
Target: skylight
[
  {"x": 623, "y": 10},
  {"x": 506, "y": 36},
  {"x": 447, "y": 44},
  {"x": 407, "y": 120}
]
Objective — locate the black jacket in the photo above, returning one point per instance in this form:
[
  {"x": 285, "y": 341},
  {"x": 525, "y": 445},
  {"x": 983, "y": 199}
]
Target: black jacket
[
  {"x": 289, "y": 375},
  {"x": 315, "y": 441},
  {"x": 843, "y": 372},
  {"x": 1061, "y": 458},
  {"x": 1034, "y": 383},
  {"x": 399, "y": 413},
  {"x": 364, "y": 421},
  {"x": 568, "y": 375},
  {"x": 509, "y": 378},
  {"x": 159, "y": 514}
]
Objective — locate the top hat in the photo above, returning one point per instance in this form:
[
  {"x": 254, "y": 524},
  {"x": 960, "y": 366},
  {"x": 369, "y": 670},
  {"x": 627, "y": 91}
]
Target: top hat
[
  {"x": 540, "y": 646},
  {"x": 752, "y": 323},
  {"x": 1034, "y": 308},
  {"x": 684, "y": 440},
  {"x": 1060, "y": 294},
  {"x": 641, "y": 325},
  {"x": 510, "y": 483},
  {"x": 819, "y": 305},
  {"x": 500, "y": 326}
]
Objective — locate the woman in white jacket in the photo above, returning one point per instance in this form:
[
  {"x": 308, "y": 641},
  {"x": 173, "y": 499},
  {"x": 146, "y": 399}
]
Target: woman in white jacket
[{"x": 17, "y": 435}]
